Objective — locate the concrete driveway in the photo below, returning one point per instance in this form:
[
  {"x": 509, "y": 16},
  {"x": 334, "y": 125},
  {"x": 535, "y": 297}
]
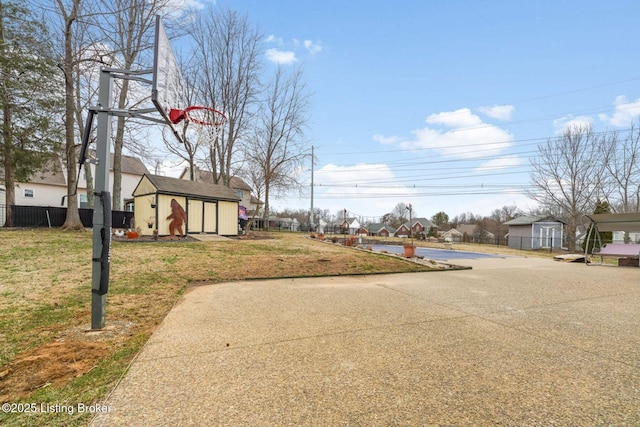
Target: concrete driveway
[{"x": 514, "y": 341}]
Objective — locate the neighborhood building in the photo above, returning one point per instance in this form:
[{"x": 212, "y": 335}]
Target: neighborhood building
[
  {"x": 241, "y": 189},
  {"x": 474, "y": 234},
  {"x": 452, "y": 235},
  {"x": 380, "y": 229},
  {"x": 418, "y": 227},
  {"x": 47, "y": 187},
  {"x": 535, "y": 232}
]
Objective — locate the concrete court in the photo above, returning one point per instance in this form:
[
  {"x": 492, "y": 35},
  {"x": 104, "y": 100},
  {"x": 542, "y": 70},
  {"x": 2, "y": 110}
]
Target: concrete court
[{"x": 512, "y": 342}]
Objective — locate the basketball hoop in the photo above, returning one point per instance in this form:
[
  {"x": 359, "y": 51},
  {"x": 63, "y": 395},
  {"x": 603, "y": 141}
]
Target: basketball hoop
[{"x": 208, "y": 121}]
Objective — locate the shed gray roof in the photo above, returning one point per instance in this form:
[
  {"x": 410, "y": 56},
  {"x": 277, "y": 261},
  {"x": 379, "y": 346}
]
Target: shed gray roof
[
  {"x": 530, "y": 219},
  {"x": 181, "y": 187}
]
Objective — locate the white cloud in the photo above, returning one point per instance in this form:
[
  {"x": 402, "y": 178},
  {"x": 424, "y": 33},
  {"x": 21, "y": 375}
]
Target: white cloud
[
  {"x": 358, "y": 188},
  {"x": 460, "y": 134},
  {"x": 566, "y": 122},
  {"x": 281, "y": 56},
  {"x": 273, "y": 39},
  {"x": 499, "y": 163},
  {"x": 312, "y": 47},
  {"x": 386, "y": 140},
  {"x": 500, "y": 112},
  {"x": 625, "y": 112}
]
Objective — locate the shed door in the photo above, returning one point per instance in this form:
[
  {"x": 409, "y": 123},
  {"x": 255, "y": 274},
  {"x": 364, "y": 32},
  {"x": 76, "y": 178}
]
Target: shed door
[
  {"x": 194, "y": 216},
  {"x": 210, "y": 221},
  {"x": 546, "y": 236}
]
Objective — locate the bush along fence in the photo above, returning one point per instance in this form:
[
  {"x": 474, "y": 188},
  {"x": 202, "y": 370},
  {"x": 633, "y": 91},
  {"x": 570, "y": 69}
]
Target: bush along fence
[{"x": 48, "y": 216}]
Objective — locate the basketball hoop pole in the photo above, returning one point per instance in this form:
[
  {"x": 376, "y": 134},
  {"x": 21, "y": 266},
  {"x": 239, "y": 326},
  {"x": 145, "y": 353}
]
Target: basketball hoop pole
[{"x": 101, "y": 224}]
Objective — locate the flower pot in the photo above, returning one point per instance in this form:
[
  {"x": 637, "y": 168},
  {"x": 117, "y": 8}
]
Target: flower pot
[
  {"x": 132, "y": 234},
  {"x": 409, "y": 251}
]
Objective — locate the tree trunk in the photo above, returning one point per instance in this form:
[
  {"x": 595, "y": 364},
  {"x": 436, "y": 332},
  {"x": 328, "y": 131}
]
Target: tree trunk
[
  {"x": 10, "y": 193},
  {"x": 72, "y": 221},
  {"x": 9, "y": 183}
]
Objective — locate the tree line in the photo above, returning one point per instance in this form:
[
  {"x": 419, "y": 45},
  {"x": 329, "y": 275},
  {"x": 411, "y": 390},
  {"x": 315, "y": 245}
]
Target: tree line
[{"x": 50, "y": 55}]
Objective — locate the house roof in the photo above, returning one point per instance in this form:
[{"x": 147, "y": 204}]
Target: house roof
[
  {"x": 452, "y": 232},
  {"x": 423, "y": 222},
  {"x": 530, "y": 219},
  {"x": 54, "y": 174},
  {"x": 182, "y": 187},
  {"x": 376, "y": 227},
  {"x": 132, "y": 165},
  {"x": 205, "y": 176}
]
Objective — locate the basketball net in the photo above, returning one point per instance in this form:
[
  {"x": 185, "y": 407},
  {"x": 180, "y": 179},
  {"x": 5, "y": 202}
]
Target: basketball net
[{"x": 206, "y": 122}]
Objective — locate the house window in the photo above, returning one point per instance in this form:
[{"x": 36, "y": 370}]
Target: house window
[
  {"x": 28, "y": 193},
  {"x": 240, "y": 194},
  {"x": 84, "y": 201}
]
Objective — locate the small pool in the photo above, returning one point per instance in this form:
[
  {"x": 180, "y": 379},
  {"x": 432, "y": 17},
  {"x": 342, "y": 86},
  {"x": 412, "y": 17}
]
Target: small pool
[{"x": 435, "y": 254}]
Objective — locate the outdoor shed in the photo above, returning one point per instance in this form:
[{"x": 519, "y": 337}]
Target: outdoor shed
[
  {"x": 209, "y": 208},
  {"x": 535, "y": 232}
]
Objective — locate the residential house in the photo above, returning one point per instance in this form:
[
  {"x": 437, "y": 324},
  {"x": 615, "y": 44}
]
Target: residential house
[
  {"x": 47, "y": 187},
  {"x": 350, "y": 226},
  {"x": 474, "y": 234},
  {"x": 451, "y": 235},
  {"x": 422, "y": 226},
  {"x": 290, "y": 224},
  {"x": 241, "y": 188},
  {"x": 535, "y": 232},
  {"x": 380, "y": 229},
  {"x": 403, "y": 230},
  {"x": 419, "y": 226}
]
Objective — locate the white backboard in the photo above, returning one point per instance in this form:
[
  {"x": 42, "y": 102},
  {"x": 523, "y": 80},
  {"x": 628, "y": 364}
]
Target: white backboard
[{"x": 168, "y": 89}]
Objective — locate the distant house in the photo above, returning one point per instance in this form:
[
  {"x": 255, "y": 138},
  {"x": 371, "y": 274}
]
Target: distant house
[
  {"x": 380, "y": 229},
  {"x": 47, "y": 187},
  {"x": 241, "y": 188},
  {"x": 422, "y": 225},
  {"x": 535, "y": 232},
  {"x": 403, "y": 231},
  {"x": 350, "y": 226},
  {"x": 452, "y": 235},
  {"x": 473, "y": 233},
  {"x": 290, "y": 224},
  {"x": 418, "y": 226}
]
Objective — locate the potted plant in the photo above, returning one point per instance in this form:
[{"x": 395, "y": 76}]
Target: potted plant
[{"x": 409, "y": 250}]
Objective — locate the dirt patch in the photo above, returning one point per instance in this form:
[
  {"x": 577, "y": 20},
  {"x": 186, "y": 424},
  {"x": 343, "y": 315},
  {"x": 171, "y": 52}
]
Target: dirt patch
[{"x": 54, "y": 363}]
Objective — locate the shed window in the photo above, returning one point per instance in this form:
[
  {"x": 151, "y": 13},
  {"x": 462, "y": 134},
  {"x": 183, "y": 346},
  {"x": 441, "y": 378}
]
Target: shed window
[{"x": 28, "y": 192}]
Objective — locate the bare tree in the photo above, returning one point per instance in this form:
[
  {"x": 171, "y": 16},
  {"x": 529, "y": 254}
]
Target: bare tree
[
  {"x": 70, "y": 12},
  {"x": 568, "y": 173},
  {"x": 622, "y": 161},
  {"x": 399, "y": 215},
  {"x": 191, "y": 142},
  {"x": 228, "y": 50},
  {"x": 278, "y": 148},
  {"x": 129, "y": 25}
]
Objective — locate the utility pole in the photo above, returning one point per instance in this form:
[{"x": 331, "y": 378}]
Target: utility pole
[{"x": 311, "y": 213}]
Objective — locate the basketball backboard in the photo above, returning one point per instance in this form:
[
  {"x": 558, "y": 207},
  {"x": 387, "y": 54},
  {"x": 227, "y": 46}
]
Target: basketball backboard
[{"x": 168, "y": 89}]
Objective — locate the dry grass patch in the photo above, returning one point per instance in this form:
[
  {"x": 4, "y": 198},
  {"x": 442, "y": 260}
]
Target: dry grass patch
[{"x": 47, "y": 353}]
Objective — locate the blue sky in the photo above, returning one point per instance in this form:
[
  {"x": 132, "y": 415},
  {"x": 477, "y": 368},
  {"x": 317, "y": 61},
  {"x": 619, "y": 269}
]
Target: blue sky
[{"x": 441, "y": 103}]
